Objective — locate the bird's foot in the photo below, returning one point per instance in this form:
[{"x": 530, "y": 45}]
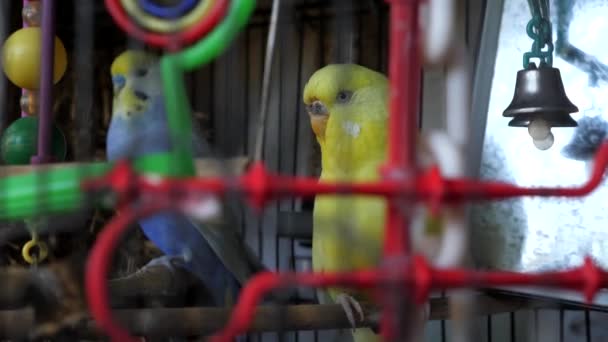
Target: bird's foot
[
  {"x": 175, "y": 267},
  {"x": 170, "y": 262},
  {"x": 349, "y": 305}
]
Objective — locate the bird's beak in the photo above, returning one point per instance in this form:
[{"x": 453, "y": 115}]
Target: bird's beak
[
  {"x": 319, "y": 114},
  {"x": 317, "y": 108}
]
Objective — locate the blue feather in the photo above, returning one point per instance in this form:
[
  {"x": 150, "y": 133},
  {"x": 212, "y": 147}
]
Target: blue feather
[{"x": 175, "y": 235}]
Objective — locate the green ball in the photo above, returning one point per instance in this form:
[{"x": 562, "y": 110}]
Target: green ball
[{"x": 19, "y": 142}]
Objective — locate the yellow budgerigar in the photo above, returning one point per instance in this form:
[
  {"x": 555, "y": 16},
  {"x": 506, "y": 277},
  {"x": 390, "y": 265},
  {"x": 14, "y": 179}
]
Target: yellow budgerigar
[{"x": 348, "y": 109}]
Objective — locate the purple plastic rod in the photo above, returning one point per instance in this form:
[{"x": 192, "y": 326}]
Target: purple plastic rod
[
  {"x": 25, "y": 3},
  {"x": 46, "y": 83}
]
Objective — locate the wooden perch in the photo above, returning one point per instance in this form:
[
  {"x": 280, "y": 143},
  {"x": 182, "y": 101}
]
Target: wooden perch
[
  {"x": 205, "y": 167},
  {"x": 204, "y": 321},
  {"x": 195, "y": 321},
  {"x": 24, "y": 289},
  {"x": 164, "y": 322}
]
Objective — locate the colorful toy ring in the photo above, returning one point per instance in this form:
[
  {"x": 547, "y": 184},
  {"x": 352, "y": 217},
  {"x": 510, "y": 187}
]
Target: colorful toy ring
[
  {"x": 167, "y": 11},
  {"x": 173, "y": 41},
  {"x": 154, "y": 24}
]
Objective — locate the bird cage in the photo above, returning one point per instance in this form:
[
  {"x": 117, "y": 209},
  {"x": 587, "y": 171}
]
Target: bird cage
[{"x": 520, "y": 255}]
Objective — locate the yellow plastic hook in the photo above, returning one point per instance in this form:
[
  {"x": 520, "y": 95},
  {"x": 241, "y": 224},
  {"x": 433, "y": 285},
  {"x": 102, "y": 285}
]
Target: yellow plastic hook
[{"x": 42, "y": 247}]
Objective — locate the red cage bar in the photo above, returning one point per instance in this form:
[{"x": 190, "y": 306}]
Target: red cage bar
[{"x": 401, "y": 181}]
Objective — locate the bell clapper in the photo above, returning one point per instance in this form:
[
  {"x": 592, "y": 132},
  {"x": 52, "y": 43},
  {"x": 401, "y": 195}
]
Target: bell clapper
[
  {"x": 540, "y": 131},
  {"x": 544, "y": 144}
]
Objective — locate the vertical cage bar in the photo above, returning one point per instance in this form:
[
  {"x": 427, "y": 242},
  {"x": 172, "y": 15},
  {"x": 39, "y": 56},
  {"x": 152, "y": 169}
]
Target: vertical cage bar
[
  {"x": 5, "y": 24},
  {"x": 84, "y": 76},
  {"x": 512, "y": 326},
  {"x": 561, "y": 325},
  {"x": 587, "y": 326},
  {"x": 47, "y": 55},
  {"x": 489, "y": 325}
]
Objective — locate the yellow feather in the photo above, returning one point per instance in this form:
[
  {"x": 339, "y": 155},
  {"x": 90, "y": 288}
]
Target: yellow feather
[{"x": 124, "y": 63}]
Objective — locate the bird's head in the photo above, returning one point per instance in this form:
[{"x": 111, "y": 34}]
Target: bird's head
[
  {"x": 337, "y": 91},
  {"x": 347, "y": 106},
  {"x": 136, "y": 81}
]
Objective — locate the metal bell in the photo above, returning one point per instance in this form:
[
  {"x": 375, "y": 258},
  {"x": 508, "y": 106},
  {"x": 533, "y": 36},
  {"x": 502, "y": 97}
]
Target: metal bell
[{"x": 540, "y": 94}]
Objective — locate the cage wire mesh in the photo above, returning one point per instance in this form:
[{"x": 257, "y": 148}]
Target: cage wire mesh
[{"x": 225, "y": 100}]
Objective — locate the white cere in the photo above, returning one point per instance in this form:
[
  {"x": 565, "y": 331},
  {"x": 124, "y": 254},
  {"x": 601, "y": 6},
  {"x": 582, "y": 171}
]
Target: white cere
[
  {"x": 351, "y": 128},
  {"x": 539, "y": 129},
  {"x": 544, "y": 144}
]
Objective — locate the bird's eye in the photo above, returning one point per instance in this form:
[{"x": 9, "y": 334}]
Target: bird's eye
[
  {"x": 141, "y": 72},
  {"x": 140, "y": 95},
  {"x": 343, "y": 96}
]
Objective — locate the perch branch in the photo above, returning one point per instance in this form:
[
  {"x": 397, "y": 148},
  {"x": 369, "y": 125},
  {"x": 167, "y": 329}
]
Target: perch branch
[
  {"x": 203, "y": 321},
  {"x": 195, "y": 321}
]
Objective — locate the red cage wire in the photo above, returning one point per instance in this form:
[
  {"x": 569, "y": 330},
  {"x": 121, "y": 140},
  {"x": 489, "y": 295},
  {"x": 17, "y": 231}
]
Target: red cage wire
[{"x": 401, "y": 181}]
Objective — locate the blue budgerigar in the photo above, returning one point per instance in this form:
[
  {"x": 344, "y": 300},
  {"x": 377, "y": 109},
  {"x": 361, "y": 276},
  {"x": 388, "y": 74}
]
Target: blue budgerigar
[{"x": 212, "y": 251}]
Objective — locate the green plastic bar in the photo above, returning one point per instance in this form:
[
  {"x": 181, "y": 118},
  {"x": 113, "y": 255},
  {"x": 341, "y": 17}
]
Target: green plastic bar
[
  {"x": 58, "y": 190},
  {"x": 173, "y": 67},
  {"x": 179, "y": 116},
  {"x": 45, "y": 192}
]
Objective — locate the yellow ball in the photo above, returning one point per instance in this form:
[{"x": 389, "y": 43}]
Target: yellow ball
[{"x": 21, "y": 58}]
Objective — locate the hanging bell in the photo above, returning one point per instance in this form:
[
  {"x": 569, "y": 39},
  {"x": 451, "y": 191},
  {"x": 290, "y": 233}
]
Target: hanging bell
[{"x": 540, "y": 95}]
